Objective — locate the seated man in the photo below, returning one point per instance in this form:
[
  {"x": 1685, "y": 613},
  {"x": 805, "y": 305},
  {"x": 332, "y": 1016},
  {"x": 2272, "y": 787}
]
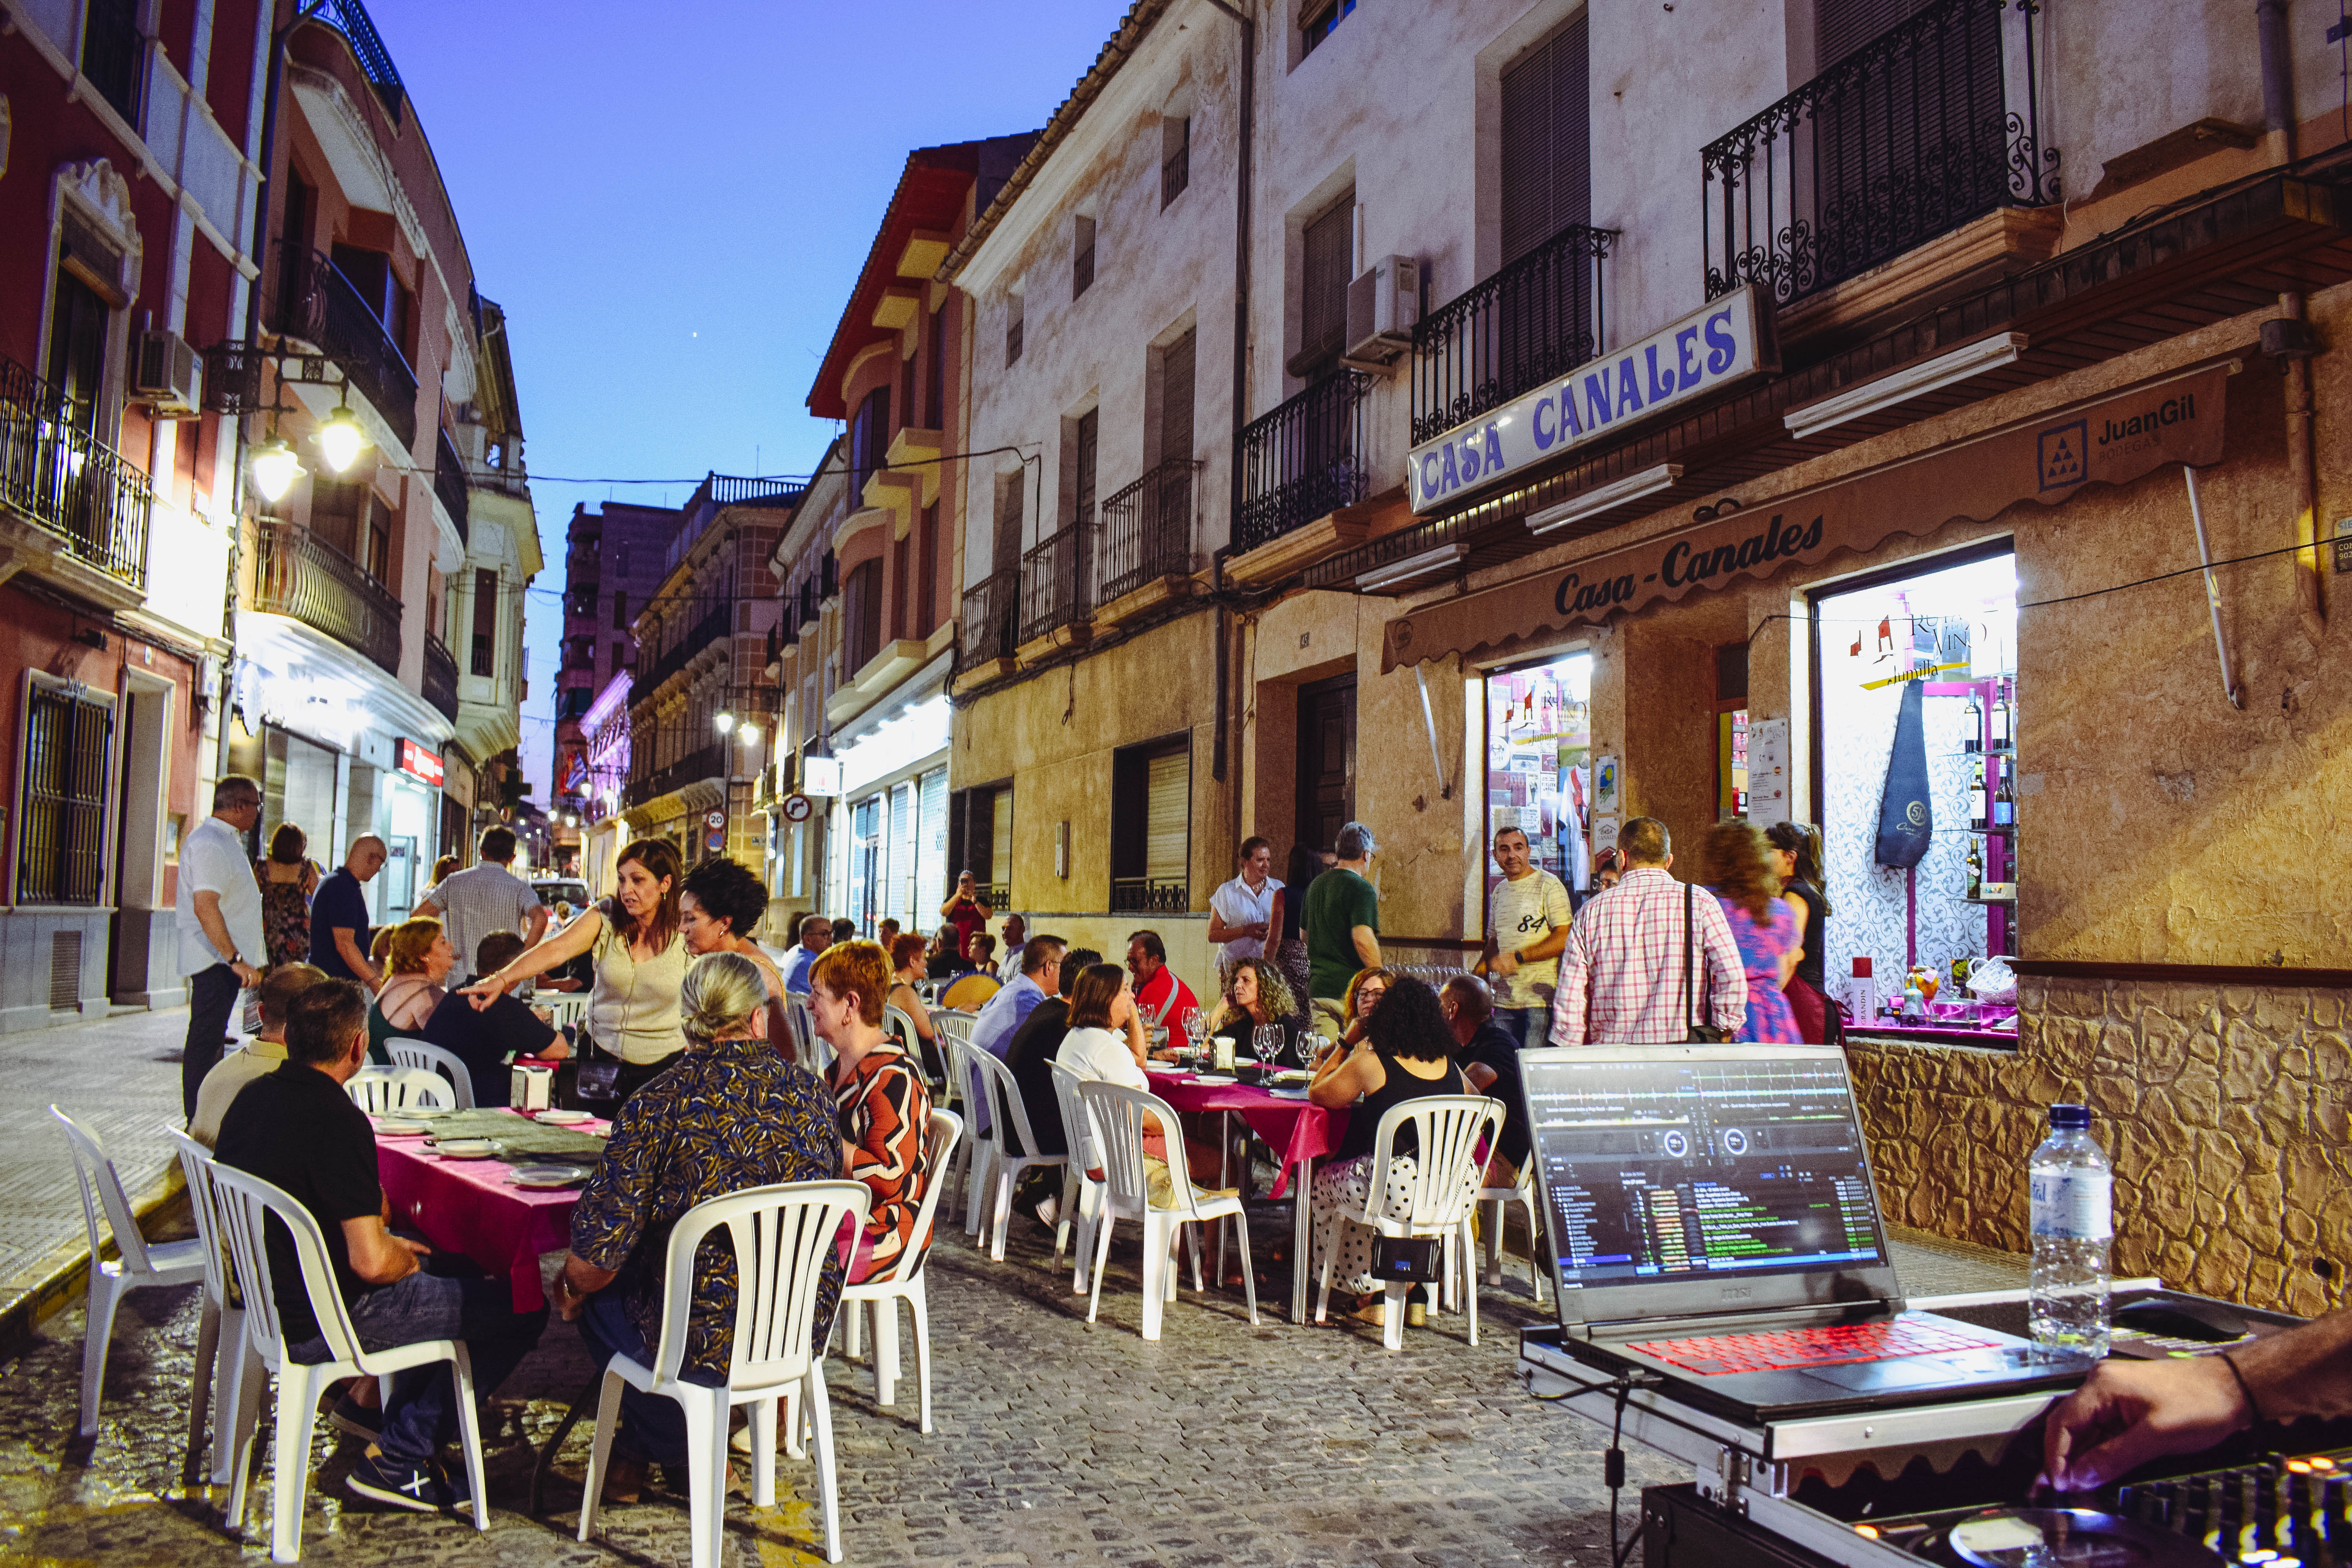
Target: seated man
[
  {"x": 1489, "y": 1060},
  {"x": 489, "y": 1040},
  {"x": 730, "y": 1114},
  {"x": 1031, "y": 1058},
  {"x": 1160, "y": 996},
  {"x": 295, "y": 1129},
  {"x": 261, "y": 1055}
]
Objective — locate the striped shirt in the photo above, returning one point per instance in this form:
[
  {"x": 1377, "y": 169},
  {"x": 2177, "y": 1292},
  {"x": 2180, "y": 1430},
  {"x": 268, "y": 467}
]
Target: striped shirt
[
  {"x": 477, "y": 902},
  {"x": 1622, "y": 981}
]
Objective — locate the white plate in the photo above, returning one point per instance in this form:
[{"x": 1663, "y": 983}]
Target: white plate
[
  {"x": 547, "y": 1178},
  {"x": 399, "y": 1127},
  {"x": 466, "y": 1148},
  {"x": 565, "y": 1118},
  {"x": 1211, "y": 1078}
]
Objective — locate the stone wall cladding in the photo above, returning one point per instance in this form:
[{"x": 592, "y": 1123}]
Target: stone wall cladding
[{"x": 2223, "y": 1109}]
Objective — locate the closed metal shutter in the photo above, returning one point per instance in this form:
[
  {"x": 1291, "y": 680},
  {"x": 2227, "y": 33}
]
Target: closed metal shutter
[{"x": 1548, "y": 140}]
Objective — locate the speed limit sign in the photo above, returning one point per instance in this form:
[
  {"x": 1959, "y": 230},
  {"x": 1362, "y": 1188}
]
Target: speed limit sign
[{"x": 714, "y": 819}]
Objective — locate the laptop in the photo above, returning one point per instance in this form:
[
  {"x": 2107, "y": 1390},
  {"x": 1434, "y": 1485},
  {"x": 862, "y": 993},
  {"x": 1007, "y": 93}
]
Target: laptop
[{"x": 1711, "y": 1218}]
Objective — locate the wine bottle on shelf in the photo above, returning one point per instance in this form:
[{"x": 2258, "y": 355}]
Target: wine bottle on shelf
[
  {"x": 1976, "y": 871},
  {"x": 2004, "y": 803},
  {"x": 2003, "y": 725},
  {"x": 1976, "y": 818},
  {"x": 1973, "y": 740}
]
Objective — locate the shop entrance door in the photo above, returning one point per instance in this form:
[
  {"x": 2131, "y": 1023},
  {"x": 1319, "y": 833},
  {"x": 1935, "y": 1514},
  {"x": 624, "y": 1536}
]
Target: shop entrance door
[
  {"x": 399, "y": 877},
  {"x": 1327, "y": 760}
]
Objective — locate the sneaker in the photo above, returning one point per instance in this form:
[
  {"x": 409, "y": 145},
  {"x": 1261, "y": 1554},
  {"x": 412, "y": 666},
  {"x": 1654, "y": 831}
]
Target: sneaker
[
  {"x": 426, "y": 1488},
  {"x": 364, "y": 1422}
]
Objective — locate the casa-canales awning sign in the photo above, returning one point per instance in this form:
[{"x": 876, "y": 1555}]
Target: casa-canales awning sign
[
  {"x": 1703, "y": 352},
  {"x": 2112, "y": 441}
]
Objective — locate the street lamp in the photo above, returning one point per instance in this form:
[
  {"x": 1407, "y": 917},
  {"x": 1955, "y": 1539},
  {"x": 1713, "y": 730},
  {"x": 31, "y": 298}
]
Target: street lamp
[
  {"x": 341, "y": 438},
  {"x": 749, "y": 733},
  {"x": 275, "y": 467},
  {"x": 725, "y": 720}
]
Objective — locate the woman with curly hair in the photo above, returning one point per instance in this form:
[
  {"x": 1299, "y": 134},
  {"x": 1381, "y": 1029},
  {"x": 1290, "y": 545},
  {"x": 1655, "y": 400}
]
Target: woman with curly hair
[
  {"x": 719, "y": 907},
  {"x": 1256, "y": 996},
  {"x": 1407, "y": 1052},
  {"x": 1762, "y": 923},
  {"x": 1796, "y": 854}
]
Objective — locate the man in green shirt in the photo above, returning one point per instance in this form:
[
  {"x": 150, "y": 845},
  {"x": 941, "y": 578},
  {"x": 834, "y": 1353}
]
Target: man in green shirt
[{"x": 1343, "y": 920}]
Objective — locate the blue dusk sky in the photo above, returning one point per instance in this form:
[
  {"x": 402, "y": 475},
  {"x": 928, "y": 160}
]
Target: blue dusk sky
[{"x": 672, "y": 203}]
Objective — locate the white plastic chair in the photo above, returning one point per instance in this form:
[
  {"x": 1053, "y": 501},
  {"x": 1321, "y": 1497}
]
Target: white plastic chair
[
  {"x": 223, "y": 1360},
  {"x": 1006, "y": 1111},
  {"x": 446, "y": 1063},
  {"x": 782, "y": 1237},
  {"x": 898, "y": 1022},
  {"x": 1115, "y": 1117},
  {"x": 976, "y": 1154},
  {"x": 1523, "y": 1192},
  {"x": 953, "y": 1030},
  {"x": 1081, "y": 1193},
  {"x": 244, "y": 1208},
  {"x": 140, "y": 1264},
  {"x": 905, "y": 1281},
  {"x": 1450, "y": 1128},
  {"x": 380, "y": 1092}
]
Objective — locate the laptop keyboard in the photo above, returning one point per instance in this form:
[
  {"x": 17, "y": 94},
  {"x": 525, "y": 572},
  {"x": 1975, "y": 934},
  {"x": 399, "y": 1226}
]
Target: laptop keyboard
[{"x": 1722, "y": 1355}]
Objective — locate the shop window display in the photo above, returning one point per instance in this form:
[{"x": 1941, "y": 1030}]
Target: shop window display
[
  {"x": 1539, "y": 764},
  {"x": 1950, "y": 634}
]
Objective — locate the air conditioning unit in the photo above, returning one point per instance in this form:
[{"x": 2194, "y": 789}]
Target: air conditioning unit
[
  {"x": 170, "y": 380},
  {"x": 1383, "y": 306}
]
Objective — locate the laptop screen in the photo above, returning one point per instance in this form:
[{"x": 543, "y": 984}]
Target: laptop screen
[{"x": 1664, "y": 1166}]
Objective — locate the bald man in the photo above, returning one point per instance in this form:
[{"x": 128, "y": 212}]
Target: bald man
[{"x": 339, "y": 915}]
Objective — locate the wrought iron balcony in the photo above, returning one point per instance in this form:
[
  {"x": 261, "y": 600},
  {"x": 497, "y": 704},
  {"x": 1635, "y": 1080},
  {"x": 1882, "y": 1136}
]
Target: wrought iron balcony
[
  {"x": 440, "y": 677},
  {"x": 714, "y": 624},
  {"x": 1054, "y": 579},
  {"x": 991, "y": 620},
  {"x": 449, "y": 482},
  {"x": 320, "y": 305},
  {"x": 1537, "y": 318},
  {"x": 1147, "y": 530},
  {"x": 709, "y": 763},
  {"x": 297, "y": 573},
  {"x": 1935, "y": 123},
  {"x": 1304, "y": 460},
  {"x": 55, "y": 474},
  {"x": 1149, "y": 896}
]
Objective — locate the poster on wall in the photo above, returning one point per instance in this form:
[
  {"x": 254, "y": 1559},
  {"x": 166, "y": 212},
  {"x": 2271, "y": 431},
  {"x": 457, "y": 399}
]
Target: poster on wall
[
  {"x": 1604, "y": 789},
  {"x": 1767, "y": 771}
]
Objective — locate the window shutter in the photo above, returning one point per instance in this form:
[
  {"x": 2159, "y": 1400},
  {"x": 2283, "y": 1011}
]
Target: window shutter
[
  {"x": 930, "y": 850},
  {"x": 1330, "y": 246},
  {"x": 1000, "y": 840},
  {"x": 1548, "y": 140},
  {"x": 1176, "y": 399},
  {"x": 1167, "y": 817}
]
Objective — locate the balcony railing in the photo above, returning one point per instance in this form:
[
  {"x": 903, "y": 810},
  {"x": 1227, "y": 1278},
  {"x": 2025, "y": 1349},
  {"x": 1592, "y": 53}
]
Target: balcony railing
[
  {"x": 1539, "y": 317},
  {"x": 440, "y": 677},
  {"x": 1147, "y": 530},
  {"x": 449, "y": 482},
  {"x": 350, "y": 18},
  {"x": 714, "y": 624},
  {"x": 297, "y": 573},
  {"x": 1935, "y": 123},
  {"x": 1304, "y": 460},
  {"x": 709, "y": 763},
  {"x": 1149, "y": 896},
  {"x": 990, "y": 623},
  {"x": 1054, "y": 579},
  {"x": 58, "y": 476},
  {"x": 1176, "y": 170},
  {"x": 322, "y": 307}
]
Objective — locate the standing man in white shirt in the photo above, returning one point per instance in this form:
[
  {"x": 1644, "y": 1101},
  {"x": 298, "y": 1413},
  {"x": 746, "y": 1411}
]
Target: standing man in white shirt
[
  {"x": 1244, "y": 913},
  {"x": 486, "y": 898},
  {"x": 221, "y": 944},
  {"x": 1528, "y": 917}
]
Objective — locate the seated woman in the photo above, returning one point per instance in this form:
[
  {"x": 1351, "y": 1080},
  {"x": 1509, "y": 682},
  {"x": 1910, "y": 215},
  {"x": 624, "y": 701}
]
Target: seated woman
[
  {"x": 489, "y": 1040},
  {"x": 1406, "y": 1053},
  {"x": 727, "y": 1114},
  {"x": 946, "y": 958},
  {"x": 968, "y": 991},
  {"x": 1364, "y": 993},
  {"x": 720, "y": 904},
  {"x": 1258, "y": 996},
  {"x": 886, "y": 1111},
  {"x": 418, "y": 958},
  {"x": 1106, "y": 1041},
  {"x": 906, "y": 968}
]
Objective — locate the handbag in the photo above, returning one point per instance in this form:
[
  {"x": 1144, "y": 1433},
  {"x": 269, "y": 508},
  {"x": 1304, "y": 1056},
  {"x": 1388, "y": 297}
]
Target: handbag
[
  {"x": 1701, "y": 1032},
  {"x": 1409, "y": 1259}
]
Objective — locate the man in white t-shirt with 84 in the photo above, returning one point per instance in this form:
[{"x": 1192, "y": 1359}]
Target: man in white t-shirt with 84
[{"x": 1528, "y": 917}]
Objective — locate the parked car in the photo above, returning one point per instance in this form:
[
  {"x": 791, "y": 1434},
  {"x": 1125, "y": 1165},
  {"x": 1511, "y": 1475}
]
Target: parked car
[{"x": 553, "y": 890}]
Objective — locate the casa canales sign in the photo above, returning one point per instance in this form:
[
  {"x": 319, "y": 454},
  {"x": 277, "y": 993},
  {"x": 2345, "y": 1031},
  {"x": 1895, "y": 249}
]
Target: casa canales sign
[
  {"x": 1704, "y": 351},
  {"x": 2113, "y": 441}
]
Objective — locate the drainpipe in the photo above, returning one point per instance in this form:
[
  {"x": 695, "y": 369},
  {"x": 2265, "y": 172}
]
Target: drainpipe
[
  {"x": 2278, "y": 79},
  {"x": 2292, "y": 346},
  {"x": 1245, "y": 132}
]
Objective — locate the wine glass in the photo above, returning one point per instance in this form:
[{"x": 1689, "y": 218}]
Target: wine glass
[{"x": 1196, "y": 1031}]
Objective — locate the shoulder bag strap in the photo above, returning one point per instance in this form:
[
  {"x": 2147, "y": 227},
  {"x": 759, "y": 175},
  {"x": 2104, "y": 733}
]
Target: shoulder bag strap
[{"x": 1690, "y": 992}]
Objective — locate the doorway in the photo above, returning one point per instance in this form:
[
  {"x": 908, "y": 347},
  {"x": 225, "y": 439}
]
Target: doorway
[{"x": 1327, "y": 760}]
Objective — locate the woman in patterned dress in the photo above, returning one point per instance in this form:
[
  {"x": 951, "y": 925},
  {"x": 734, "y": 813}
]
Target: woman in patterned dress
[
  {"x": 288, "y": 878},
  {"x": 1741, "y": 877},
  {"x": 884, "y": 1110}
]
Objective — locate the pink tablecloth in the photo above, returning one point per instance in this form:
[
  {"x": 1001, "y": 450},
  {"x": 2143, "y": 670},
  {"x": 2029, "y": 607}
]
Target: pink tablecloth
[
  {"x": 1295, "y": 1129},
  {"x": 468, "y": 1206}
]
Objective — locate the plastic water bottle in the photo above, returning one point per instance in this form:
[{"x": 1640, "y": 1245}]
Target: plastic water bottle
[{"x": 2073, "y": 1193}]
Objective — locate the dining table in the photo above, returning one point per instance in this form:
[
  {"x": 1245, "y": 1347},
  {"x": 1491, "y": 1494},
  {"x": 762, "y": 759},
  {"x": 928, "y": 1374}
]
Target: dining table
[
  {"x": 1293, "y": 1127},
  {"x": 473, "y": 1207}
]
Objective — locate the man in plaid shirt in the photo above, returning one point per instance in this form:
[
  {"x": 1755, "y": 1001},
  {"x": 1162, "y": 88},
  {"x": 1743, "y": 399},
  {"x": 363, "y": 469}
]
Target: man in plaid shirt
[{"x": 1621, "y": 979}]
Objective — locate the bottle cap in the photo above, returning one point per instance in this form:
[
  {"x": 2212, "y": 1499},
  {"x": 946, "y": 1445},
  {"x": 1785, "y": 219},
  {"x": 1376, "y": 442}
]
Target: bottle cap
[{"x": 2069, "y": 1118}]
